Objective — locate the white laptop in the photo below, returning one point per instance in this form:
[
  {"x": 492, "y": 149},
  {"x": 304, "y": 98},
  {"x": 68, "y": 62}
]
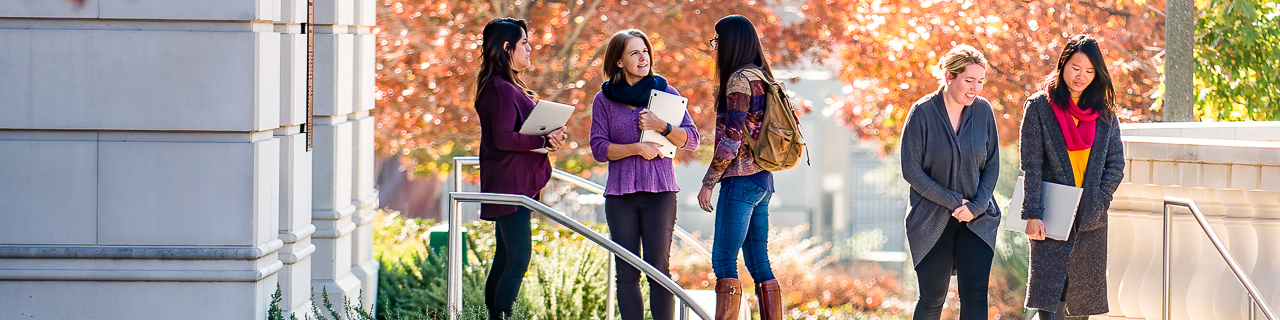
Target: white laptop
[
  {"x": 670, "y": 108},
  {"x": 1060, "y": 203},
  {"x": 547, "y": 116}
]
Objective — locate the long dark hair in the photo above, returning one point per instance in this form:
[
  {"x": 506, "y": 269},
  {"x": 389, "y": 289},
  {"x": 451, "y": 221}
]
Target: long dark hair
[
  {"x": 495, "y": 58},
  {"x": 1099, "y": 96},
  {"x": 737, "y": 46}
]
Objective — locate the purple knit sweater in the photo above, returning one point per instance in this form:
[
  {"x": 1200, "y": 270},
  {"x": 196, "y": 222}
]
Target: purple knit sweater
[{"x": 614, "y": 122}]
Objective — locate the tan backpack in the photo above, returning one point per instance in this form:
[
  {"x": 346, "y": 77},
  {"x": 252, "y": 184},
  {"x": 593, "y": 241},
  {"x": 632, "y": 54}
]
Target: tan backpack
[{"x": 780, "y": 142}]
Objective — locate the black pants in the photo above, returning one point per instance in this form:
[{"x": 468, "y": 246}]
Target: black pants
[
  {"x": 961, "y": 250},
  {"x": 642, "y": 220},
  {"x": 510, "y": 261}
]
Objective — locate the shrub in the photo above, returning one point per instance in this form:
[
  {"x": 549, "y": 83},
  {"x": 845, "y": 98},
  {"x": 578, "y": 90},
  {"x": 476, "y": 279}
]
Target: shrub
[
  {"x": 567, "y": 276},
  {"x": 412, "y": 279}
]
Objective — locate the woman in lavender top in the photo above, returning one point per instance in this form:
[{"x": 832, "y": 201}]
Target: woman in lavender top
[{"x": 640, "y": 195}]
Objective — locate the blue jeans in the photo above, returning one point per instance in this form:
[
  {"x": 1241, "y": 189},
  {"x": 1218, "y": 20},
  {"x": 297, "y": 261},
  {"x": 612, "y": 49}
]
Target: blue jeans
[{"x": 742, "y": 222}]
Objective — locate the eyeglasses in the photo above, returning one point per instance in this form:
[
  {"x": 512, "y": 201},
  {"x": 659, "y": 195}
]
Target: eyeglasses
[{"x": 713, "y": 42}]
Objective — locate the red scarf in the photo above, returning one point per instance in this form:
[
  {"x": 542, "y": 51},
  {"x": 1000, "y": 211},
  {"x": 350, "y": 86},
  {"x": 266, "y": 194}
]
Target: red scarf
[{"x": 1079, "y": 136}]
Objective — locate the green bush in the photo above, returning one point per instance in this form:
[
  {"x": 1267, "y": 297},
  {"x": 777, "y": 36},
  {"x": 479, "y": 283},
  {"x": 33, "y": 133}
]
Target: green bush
[
  {"x": 567, "y": 277},
  {"x": 412, "y": 279}
]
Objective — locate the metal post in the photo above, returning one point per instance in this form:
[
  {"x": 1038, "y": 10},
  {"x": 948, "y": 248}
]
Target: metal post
[
  {"x": 684, "y": 311},
  {"x": 1164, "y": 291},
  {"x": 454, "y": 284},
  {"x": 611, "y": 285},
  {"x": 1252, "y": 314}
]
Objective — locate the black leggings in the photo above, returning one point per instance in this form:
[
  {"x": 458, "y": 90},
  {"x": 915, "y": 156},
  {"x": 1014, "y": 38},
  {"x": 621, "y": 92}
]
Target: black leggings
[
  {"x": 510, "y": 261},
  {"x": 961, "y": 250},
  {"x": 642, "y": 220}
]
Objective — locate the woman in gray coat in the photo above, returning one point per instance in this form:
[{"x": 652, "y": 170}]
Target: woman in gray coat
[
  {"x": 951, "y": 159},
  {"x": 1071, "y": 136}
]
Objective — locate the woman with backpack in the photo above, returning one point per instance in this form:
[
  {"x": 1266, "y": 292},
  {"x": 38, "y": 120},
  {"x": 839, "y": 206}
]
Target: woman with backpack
[
  {"x": 508, "y": 161},
  {"x": 640, "y": 194},
  {"x": 743, "y": 219},
  {"x": 951, "y": 158}
]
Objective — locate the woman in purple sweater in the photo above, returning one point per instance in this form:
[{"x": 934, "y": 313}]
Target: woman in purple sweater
[
  {"x": 640, "y": 196},
  {"x": 508, "y": 163}
]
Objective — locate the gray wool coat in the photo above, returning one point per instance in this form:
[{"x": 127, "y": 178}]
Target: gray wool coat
[
  {"x": 944, "y": 169},
  {"x": 1080, "y": 263}
]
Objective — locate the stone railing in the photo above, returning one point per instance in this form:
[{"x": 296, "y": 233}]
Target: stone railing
[{"x": 1232, "y": 171}]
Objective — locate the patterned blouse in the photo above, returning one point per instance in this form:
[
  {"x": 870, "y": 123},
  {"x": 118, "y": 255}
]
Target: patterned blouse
[{"x": 746, "y": 102}]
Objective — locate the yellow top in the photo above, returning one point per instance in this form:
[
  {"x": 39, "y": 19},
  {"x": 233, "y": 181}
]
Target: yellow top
[{"x": 1079, "y": 158}]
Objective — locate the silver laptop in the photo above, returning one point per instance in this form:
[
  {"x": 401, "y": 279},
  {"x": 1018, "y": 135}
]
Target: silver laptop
[
  {"x": 1060, "y": 203},
  {"x": 547, "y": 116},
  {"x": 670, "y": 108}
]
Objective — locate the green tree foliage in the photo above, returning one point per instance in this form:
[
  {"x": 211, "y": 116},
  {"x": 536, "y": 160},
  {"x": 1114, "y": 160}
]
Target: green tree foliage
[{"x": 1237, "y": 54}]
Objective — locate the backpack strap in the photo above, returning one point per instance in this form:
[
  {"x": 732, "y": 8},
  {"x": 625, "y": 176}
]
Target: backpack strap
[{"x": 759, "y": 73}]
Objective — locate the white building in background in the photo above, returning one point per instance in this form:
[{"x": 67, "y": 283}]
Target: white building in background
[
  {"x": 154, "y": 158},
  {"x": 830, "y": 195}
]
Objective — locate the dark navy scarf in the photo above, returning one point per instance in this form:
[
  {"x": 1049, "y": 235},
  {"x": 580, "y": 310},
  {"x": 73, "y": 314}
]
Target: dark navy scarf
[{"x": 635, "y": 94}]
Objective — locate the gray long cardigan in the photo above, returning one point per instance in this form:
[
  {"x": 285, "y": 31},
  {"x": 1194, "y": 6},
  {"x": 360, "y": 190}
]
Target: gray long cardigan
[
  {"x": 944, "y": 168},
  {"x": 1082, "y": 259}
]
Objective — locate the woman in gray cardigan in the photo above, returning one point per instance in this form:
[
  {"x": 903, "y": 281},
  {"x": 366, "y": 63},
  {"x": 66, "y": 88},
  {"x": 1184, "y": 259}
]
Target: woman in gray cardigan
[
  {"x": 950, "y": 157},
  {"x": 1070, "y": 136}
]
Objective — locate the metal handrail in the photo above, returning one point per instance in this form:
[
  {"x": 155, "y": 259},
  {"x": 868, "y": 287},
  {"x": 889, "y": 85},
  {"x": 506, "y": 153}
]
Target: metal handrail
[
  {"x": 591, "y": 186},
  {"x": 694, "y": 242},
  {"x": 455, "y": 248},
  {"x": 1255, "y": 298}
]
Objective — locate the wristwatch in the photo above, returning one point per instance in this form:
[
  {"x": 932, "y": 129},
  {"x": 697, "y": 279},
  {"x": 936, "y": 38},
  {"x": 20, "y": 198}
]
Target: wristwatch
[{"x": 668, "y": 131}]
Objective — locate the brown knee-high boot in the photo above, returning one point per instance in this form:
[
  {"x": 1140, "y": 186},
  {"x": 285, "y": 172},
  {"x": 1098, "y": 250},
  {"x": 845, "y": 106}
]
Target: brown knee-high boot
[
  {"x": 728, "y": 298},
  {"x": 770, "y": 295}
]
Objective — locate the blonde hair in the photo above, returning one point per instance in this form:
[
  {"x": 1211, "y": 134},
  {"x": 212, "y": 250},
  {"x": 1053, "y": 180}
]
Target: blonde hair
[{"x": 956, "y": 60}]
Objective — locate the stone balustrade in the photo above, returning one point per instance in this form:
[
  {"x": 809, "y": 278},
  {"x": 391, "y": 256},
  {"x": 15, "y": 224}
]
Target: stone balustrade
[{"x": 1232, "y": 171}]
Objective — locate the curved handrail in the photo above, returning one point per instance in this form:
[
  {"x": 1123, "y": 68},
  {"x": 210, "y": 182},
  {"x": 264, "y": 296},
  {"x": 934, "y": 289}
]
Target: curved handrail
[
  {"x": 455, "y": 248},
  {"x": 1254, "y": 295},
  {"x": 591, "y": 186},
  {"x": 694, "y": 242}
]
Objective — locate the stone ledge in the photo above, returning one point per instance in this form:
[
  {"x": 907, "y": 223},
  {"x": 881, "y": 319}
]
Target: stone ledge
[
  {"x": 369, "y": 201},
  {"x": 335, "y": 233},
  {"x": 298, "y": 234},
  {"x": 332, "y": 214},
  {"x": 143, "y": 275},
  {"x": 368, "y": 216},
  {"x": 1212, "y": 151},
  {"x": 136, "y": 25},
  {"x": 291, "y": 258},
  {"x": 132, "y": 252}
]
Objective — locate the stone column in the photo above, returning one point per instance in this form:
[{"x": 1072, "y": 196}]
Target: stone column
[
  {"x": 139, "y": 157},
  {"x": 295, "y": 162},
  {"x": 334, "y": 208},
  {"x": 363, "y": 195}
]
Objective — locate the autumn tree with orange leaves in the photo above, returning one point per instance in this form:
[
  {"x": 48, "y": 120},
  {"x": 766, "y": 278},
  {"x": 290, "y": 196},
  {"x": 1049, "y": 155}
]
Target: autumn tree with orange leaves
[
  {"x": 428, "y": 53},
  {"x": 885, "y": 50}
]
